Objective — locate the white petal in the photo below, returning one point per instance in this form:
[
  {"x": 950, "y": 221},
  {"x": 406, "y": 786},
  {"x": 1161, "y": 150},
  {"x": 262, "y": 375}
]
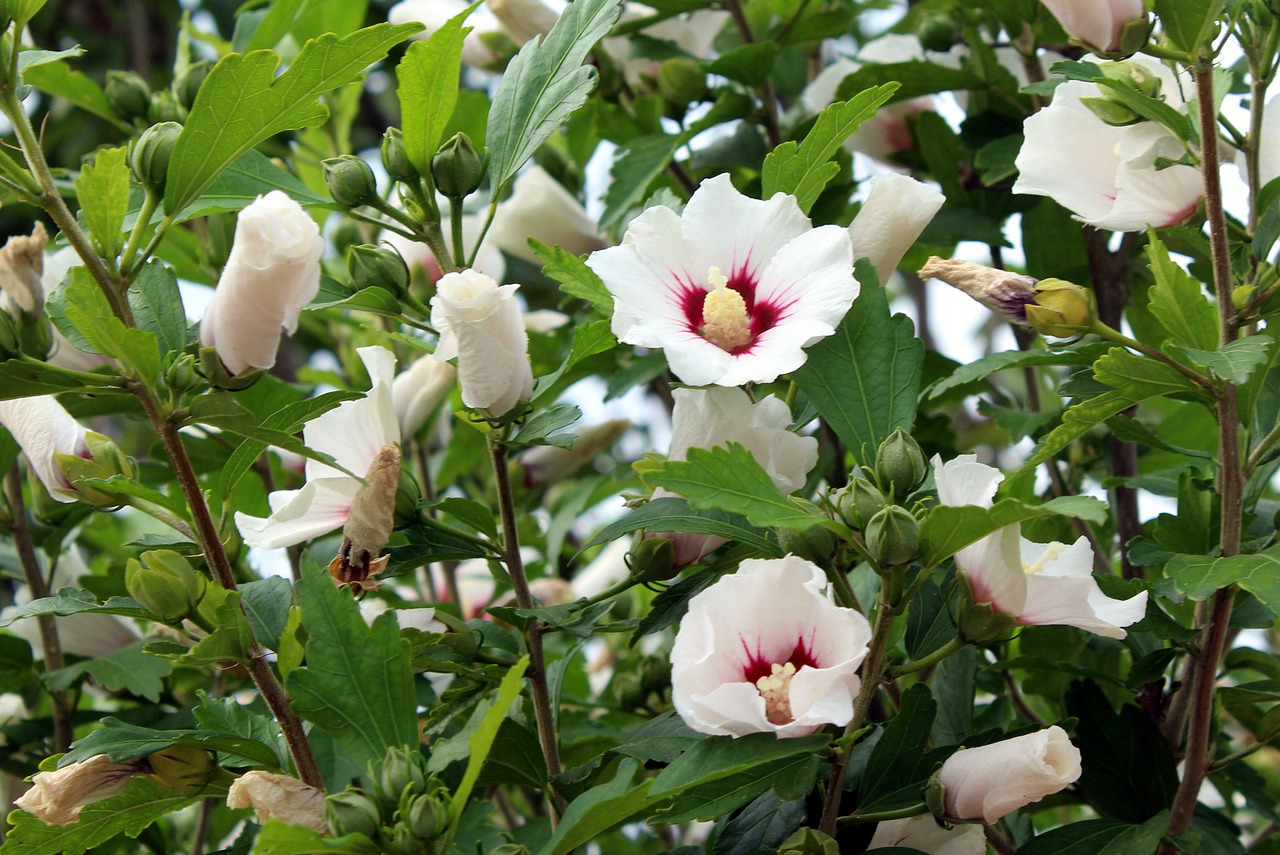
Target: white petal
[
  {"x": 726, "y": 229},
  {"x": 965, "y": 481},
  {"x": 895, "y": 213},
  {"x": 320, "y": 507},
  {"x": 43, "y": 428},
  {"x": 355, "y": 431},
  {"x": 993, "y": 780}
]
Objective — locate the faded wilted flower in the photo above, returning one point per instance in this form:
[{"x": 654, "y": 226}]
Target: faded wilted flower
[
  {"x": 279, "y": 797},
  {"x": 999, "y": 290},
  {"x": 22, "y": 268},
  {"x": 57, "y": 797},
  {"x": 369, "y": 524},
  {"x": 540, "y": 208}
]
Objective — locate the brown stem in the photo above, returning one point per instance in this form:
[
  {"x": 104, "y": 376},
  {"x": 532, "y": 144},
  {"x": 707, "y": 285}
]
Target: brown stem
[
  {"x": 998, "y": 841},
  {"x": 770, "y": 99},
  {"x": 533, "y": 635},
  {"x": 220, "y": 566},
  {"x": 50, "y": 644},
  {"x": 872, "y": 676},
  {"x": 203, "y": 819}
]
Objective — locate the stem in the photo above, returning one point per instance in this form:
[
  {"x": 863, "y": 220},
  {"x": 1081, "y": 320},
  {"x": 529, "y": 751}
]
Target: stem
[
  {"x": 1101, "y": 329},
  {"x": 930, "y": 659},
  {"x": 998, "y": 841},
  {"x": 220, "y": 566},
  {"x": 533, "y": 635},
  {"x": 872, "y": 675},
  {"x": 860, "y": 818},
  {"x": 1204, "y": 664},
  {"x": 149, "y": 203},
  {"x": 610, "y": 592},
  {"x": 455, "y": 226},
  {"x": 50, "y": 645},
  {"x": 767, "y": 95},
  {"x": 484, "y": 230}
]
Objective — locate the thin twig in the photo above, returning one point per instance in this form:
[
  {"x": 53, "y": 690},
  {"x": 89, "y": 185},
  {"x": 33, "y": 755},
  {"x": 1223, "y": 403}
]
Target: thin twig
[{"x": 769, "y": 98}]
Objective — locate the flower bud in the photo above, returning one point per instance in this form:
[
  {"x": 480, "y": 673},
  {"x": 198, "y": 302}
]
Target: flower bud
[
  {"x": 165, "y": 107},
  {"x": 815, "y": 544},
  {"x": 10, "y": 344},
  {"x": 981, "y": 622},
  {"x": 101, "y": 460},
  {"x": 419, "y": 390},
  {"x": 999, "y": 290},
  {"x": 181, "y": 767},
  {"x": 936, "y": 30},
  {"x": 809, "y": 841},
  {"x": 401, "y": 770},
  {"x": 35, "y": 334},
  {"x": 408, "y": 509},
  {"x": 378, "y": 267},
  {"x": 893, "y": 536},
  {"x": 511, "y": 849},
  {"x": 1109, "y": 28},
  {"x": 188, "y": 84},
  {"x": 128, "y": 94},
  {"x": 395, "y": 159},
  {"x": 428, "y": 816},
  {"x": 150, "y": 153},
  {"x": 900, "y": 464},
  {"x": 22, "y": 270},
  {"x": 456, "y": 168},
  {"x": 681, "y": 81},
  {"x": 182, "y": 376},
  {"x": 1111, "y": 111},
  {"x": 990, "y": 781},
  {"x": 353, "y": 812},
  {"x": 859, "y": 502},
  {"x": 165, "y": 583},
  {"x": 1061, "y": 309},
  {"x": 350, "y": 180},
  {"x": 653, "y": 559}
]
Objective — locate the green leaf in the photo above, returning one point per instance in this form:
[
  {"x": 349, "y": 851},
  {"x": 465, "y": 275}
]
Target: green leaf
[
  {"x": 35, "y": 57},
  {"x": 157, "y": 305},
  {"x": 244, "y": 102},
  {"x": 948, "y": 529},
  {"x": 1199, "y": 576},
  {"x": 60, "y": 80},
  {"x": 71, "y": 601},
  {"x": 575, "y": 278},
  {"x": 275, "y": 25},
  {"x": 1189, "y": 24},
  {"x": 729, "y": 478},
  {"x": 102, "y": 190},
  {"x": 913, "y": 78},
  {"x": 432, "y": 541},
  {"x": 635, "y": 165},
  {"x": 266, "y": 603},
  {"x": 86, "y": 307},
  {"x": 251, "y": 176},
  {"x": 805, "y": 169},
  {"x": 599, "y": 809},
  {"x": 428, "y": 90},
  {"x": 225, "y": 715},
  {"x": 541, "y": 428},
  {"x": 721, "y": 758},
  {"x": 121, "y": 741},
  {"x": 232, "y": 637},
  {"x": 543, "y": 84},
  {"x": 481, "y": 742},
  {"x": 790, "y": 777},
  {"x": 1234, "y": 362},
  {"x": 673, "y": 514},
  {"x": 661, "y": 739},
  {"x": 898, "y": 769},
  {"x": 589, "y": 339},
  {"x": 515, "y": 758},
  {"x": 129, "y": 813},
  {"x": 24, "y": 377},
  {"x": 1178, "y": 302},
  {"x": 129, "y": 669},
  {"x": 279, "y": 838},
  {"x": 220, "y": 410},
  {"x": 357, "y": 685},
  {"x": 864, "y": 380},
  {"x": 1098, "y": 837},
  {"x": 760, "y": 827},
  {"x": 751, "y": 63}
]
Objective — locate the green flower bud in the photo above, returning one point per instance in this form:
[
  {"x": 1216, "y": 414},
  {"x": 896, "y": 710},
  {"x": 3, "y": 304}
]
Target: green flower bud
[
  {"x": 1134, "y": 76},
  {"x": 1111, "y": 112},
  {"x": 936, "y": 31},
  {"x": 182, "y": 376},
  {"x": 166, "y": 585},
  {"x": 653, "y": 559},
  {"x": 900, "y": 464},
  {"x": 809, "y": 841},
  {"x": 9, "y": 343},
  {"x": 859, "y": 502},
  {"x": 427, "y": 816},
  {"x": 1061, "y": 309},
  {"x": 150, "y": 153},
  {"x": 395, "y": 159},
  {"x": 216, "y": 373},
  {"x": 189, "y": 82},
  {"x": 165, "y": 108},
  {"x": 347, "y": 235},
  {"x": 352, "y": 812},
  {"x": 181, "y": 767},
  {"x": 980, "y": 622},
  {"x": 35, "y": 334},
  {"x": 378, "y": 267},
  {"x": 893, "y": 536},
  {"x": 408, "y": 499},
  {"x": 815, "y": 544},
  {"x": 401, "y": 770},
  {"x": 681, "y": 82},
  {"x": 105, "y": 460},
  {"x": 457, "y": 168},
  {"x": 350, "y": 179},
  {"x": 655, "y": 674},
  {"x": 128, "y": 94}
]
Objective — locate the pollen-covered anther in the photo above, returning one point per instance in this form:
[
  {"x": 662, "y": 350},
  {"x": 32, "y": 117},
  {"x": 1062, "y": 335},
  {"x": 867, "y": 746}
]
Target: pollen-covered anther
[
  {"x": 725, "y": 321},
  {"x": 1051, "y": 552},
  {"x": 776, "y": 691}
]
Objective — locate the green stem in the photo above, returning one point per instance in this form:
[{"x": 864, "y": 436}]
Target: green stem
[
  {"x": 861, "y": 818},
  {"x": 1100, "y": 329},
  {"x": 455, "y": 226},
  {"x": 610, "y": 592},
  {"x": 484, "y": 230},
  {"x": 930, "y": 659},
  {"x": 152, "y": 245},
  {"x": 149, "y": 204}
]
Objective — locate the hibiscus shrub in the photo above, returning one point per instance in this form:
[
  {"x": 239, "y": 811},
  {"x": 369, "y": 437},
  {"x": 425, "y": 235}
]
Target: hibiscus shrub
[{"x": 547, "y": 427}]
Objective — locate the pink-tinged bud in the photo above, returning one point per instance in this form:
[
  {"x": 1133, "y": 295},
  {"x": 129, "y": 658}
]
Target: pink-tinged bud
[
  {"x": 21, "y": 269},
  {"x": 1107, "y": 27},
  {"x": 419, "y": 391},
  {"x": 272, "y": 272},
  {"x": 480, "y": 323},
  {"x": 44, "y": 430},
  {"x": 891, "y": 219},
  {"x": 540, "y": 208},
  {"x": 279, "y": 797},
  {"x": 57, "y": 797},
  {"x": 993, "y": 780},
  {"x": 999, "y": 290}
]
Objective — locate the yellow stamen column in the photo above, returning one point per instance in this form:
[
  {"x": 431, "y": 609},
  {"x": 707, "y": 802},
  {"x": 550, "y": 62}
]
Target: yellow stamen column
[{"x": 725, "y": 322}]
